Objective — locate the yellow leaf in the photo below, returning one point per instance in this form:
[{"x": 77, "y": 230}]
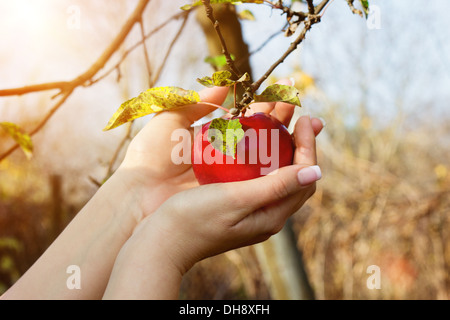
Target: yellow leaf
[
  {"x": 152, "y": 101},
  {"x": 21, "y": 138}
]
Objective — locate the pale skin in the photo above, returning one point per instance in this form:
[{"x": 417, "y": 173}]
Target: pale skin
[{"x": 151, "y": 222}]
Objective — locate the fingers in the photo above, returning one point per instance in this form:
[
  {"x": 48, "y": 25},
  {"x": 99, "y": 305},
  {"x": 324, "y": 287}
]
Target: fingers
[
  {"x": 317, "y": 125},
  {"x": 305, "y": 141},
  {"x": 270, "y": 220},
  {"x": 260, "y": 207},
  {"x": 254, "y": 194},
  {"x": 282, "y": 111}
]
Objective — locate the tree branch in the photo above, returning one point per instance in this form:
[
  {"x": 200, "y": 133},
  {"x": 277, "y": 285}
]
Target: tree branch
[
  {"x": 67, "y": 88},
  {"x": 311, "y": 8},
  {"x": 172, "y": 44},
  {"x": 352, "y": 7},
  {"x": 313, "y": 19},
  {"x": 41, "y": 124},
  {"x": 210, "y": 14},
  {"x": 93, "y": 70},
  {"x": 147, "y": 58},
  {"x": 321, "y": 5},
  {"x": 61, "y": 85},
  {"x": 137, "y": 44}
]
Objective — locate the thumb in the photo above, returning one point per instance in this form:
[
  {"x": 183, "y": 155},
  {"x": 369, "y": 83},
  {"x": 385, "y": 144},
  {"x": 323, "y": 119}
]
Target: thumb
[{"x": 256, "y": 193}]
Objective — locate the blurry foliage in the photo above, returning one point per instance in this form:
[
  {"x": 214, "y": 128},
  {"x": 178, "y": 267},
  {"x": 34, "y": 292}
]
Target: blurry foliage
[{"x": 31, "y": 216}]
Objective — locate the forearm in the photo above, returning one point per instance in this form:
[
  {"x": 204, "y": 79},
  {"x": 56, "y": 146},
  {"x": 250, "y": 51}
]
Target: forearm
[
  {"x": 91, "y": 242},
  {"x": 144, "y": 268}
]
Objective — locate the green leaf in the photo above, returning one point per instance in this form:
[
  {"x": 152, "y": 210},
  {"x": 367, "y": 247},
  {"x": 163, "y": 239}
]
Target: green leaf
[
  {"x": 152, "y": 101},
  {"x": 224, "y": 135},
  {"x": 21, "y": 138},
  {"x": 365, "y": 5},
  {"x": 246, "y": 15},
  {"x": 219, "y": 61},
  {"x": 280, "y": 93},
  {"x": 199, "y": 3},
  {"x": 218, "y": 79}
]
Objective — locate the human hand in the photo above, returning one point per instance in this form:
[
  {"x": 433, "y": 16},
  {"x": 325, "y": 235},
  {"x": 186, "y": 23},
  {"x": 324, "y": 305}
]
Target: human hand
[
  {"x": 211, "y": 219},
  {"x": 148, "y": 157}
]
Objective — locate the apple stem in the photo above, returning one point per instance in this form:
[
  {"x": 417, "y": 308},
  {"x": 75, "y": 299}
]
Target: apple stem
[{"x": 214, "y": 105}]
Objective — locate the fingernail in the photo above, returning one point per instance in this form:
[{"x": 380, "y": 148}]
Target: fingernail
[
  {"x": 324, "y": 123},
  {"x": 309, "y": 175}
]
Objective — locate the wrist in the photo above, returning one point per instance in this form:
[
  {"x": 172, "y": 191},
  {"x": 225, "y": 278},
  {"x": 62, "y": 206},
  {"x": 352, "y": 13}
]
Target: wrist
[
  {"x": 120, "y": 197},
  {"x": 147, "y": 261}
]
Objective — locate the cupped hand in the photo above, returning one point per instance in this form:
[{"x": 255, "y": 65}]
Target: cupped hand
[
  {"x": 211, "y": 219},
  {"x": 148, "y": 161}
]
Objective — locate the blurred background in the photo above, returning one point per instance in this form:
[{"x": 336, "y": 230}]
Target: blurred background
[{"x": 381, "y": 84}]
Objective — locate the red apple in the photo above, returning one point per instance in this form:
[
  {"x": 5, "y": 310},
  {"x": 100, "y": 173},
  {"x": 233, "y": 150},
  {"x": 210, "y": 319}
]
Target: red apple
[{"x": 266, "y": 146}]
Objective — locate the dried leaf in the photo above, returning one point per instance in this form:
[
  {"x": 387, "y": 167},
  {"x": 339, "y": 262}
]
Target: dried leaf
[
  {"x": 21, "y": 138},
  {"x": 218, "y": 79},
  {"x": 152, "y": 101},
  {"x": 280, "y": 93}
]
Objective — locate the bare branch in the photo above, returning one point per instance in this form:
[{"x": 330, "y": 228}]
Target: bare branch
[
  {"x": 42, "y": 123},
  {"x": 312, "y": 19},
  {"x": 61, "y": 85},
  {"x": 210, "y": 14},
  {"x": 311, "y": 8},
  {"x": 321, "y": 6},
  {"x": 172, "y": 44},
  {"x": 137, "y": 44},
  {"x": 67, "y": 88},
  {"x": 354, "y": 10},
  {"x": 147, "y": 58}
]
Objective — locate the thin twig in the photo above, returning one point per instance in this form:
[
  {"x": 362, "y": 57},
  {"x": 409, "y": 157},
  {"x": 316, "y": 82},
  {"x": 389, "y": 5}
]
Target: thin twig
[
  {"x": 137, "y": 44},
  {"x": 41, "y": 124},
  {"x": 172, "y": 44},
  {"x": 60, "y": 85},
  {"x": 67, "y": 88},
  {"x": 354, "y": 10},
  {"x": 152, "y": 82},
  {"x": 311, "y": 8},
  {"x": 313, "y": 19},
  {"x": 210, "y": 14},
  {"x": 321, "y": 5},
  {"x": 147, "y": 58}
]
